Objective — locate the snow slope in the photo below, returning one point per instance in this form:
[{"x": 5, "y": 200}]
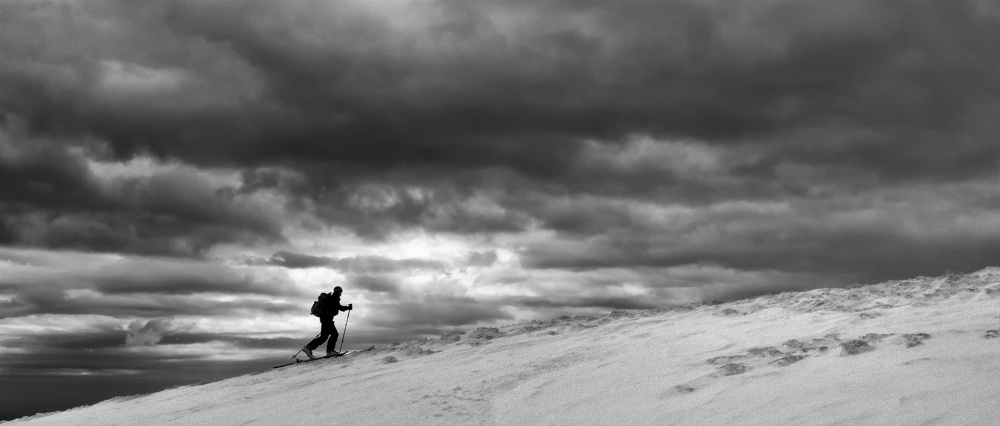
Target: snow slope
[{"x": 921, "y": 351}]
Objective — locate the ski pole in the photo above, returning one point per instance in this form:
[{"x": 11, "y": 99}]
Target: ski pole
[{"x": 345, "y": 330}]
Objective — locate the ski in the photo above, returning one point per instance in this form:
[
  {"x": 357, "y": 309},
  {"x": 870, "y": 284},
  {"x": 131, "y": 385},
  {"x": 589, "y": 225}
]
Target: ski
[
  {"x": 334, "y": 355},
  {"x": 303, "y": 361}
]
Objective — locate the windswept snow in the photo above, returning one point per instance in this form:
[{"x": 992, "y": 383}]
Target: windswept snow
[{"x": 918, "y": 351}]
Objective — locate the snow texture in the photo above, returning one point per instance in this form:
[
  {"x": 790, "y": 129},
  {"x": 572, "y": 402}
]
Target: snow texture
[{"x": 920, "y": 351}]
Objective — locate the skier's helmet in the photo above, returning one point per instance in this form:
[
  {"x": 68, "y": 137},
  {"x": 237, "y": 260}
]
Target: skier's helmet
[{"x": 338, "y": 290}]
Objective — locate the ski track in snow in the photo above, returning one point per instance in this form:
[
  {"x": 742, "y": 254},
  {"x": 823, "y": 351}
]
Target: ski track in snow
[{"x": 920, "y": 351}]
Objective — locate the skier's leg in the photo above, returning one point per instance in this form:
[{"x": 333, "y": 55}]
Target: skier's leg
[
  {"x": 323, "y": 334},
  {"x": 314, "y": 343},
  {"x": 331, "y": 346}
]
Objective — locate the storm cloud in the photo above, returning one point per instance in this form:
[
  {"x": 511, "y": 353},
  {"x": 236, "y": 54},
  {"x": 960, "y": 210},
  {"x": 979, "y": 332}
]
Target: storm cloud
[
  {"x": 59, "y": 198},
  {"x": 471, "y": 118},
  {"x": 358, "y": 264},
  {"x": 464, "y": 86},
  {"x": 36, "y": 283}
]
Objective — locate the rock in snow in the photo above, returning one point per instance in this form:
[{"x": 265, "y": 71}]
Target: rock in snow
[{"x": 917, "y": 351}]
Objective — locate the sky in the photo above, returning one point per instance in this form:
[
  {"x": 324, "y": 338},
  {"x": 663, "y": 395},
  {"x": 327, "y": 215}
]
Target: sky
[{"x": 181, "y": 179}]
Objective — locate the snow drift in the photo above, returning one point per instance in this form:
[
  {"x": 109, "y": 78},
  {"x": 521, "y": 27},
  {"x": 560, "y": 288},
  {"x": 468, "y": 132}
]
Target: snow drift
[{"x": 917, "y": 351}]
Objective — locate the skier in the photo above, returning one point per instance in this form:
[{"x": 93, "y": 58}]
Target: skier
[{"x": 326, "y": 308}]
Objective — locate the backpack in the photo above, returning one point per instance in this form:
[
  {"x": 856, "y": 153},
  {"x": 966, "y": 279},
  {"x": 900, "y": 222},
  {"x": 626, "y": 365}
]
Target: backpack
[{"x": 317, "y": 307}]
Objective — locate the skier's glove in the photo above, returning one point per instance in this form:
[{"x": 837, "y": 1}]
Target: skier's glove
[{"x": 350, "y": 307}]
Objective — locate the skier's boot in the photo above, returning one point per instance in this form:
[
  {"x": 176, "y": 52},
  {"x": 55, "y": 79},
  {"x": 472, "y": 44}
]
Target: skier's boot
[{"x": 309, "y": 352}]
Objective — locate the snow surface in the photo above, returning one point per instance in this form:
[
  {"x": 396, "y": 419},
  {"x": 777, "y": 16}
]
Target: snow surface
[{"x": 921, "y": 351}]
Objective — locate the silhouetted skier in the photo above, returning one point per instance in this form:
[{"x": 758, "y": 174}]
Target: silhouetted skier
[{"x": 327, "y": 307}]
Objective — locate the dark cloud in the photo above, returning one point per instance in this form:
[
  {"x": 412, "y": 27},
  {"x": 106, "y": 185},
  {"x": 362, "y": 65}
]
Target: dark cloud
[
  {"x": 866, "y": 245},
  {"x": 138, "y": 275},
  {"x": 375, "y": 284},
  {"x": 240, "y": 340},
  {"x": 381, "y": 206},
  {"x": 60, "y": 303},
  {"x": 148, "y": 334},
  {"x": 484, "y": 258},
  {"x": 437, "y": 311},
  {"x": 380, "y": 128},
  {"x": 105, "y": 336},
  {"x": 592, "y": 302},
  {"x": 355, "y": 264},
  {"x": 43, "y": 173},
  {"x": 55, "y": 200},
  {"x": 494, "y": 91},
  {"x": 107, "y": 339},
  {"x": 139, "y": 287}
]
